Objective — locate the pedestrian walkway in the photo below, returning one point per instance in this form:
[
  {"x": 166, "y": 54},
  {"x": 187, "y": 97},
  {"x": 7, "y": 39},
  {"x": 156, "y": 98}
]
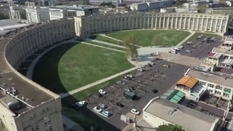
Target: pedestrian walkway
[
  {"x": 110, "y": 37},
  {"x": 192, "y": 33},
  {"x": 63, "y": 95},
  {"x": 86, "y": 43},
  {"x": 105, "y": 43}
]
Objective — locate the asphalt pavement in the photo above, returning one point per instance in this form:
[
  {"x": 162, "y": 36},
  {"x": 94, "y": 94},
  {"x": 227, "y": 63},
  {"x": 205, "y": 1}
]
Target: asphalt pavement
[
  {"x": 201, "y": 50},
  {"x": 156, "y": 77}
]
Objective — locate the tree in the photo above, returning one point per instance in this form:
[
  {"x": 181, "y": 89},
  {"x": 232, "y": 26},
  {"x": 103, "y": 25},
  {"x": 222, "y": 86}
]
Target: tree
[
  {"x": 130, "y": 42},
  {"x": 157, "y": 40},
  {"x": 169, "y": 127}
]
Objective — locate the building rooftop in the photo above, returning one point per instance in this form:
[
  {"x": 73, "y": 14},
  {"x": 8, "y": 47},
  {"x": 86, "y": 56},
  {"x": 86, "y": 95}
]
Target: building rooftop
[
  {"x": 222, "y": 51},
  {"x": 74, "y": 7},
  {"x": 214, "y": 78},
  {"x": 214, "y": 55},
  {"x": 27, "y": 94},
  {"x": 187, "y": 81},
  {"x": 185, "y": 117}
]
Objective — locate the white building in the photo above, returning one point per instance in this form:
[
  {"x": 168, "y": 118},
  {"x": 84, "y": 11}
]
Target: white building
[
  {"x": 215, "y": 84},
  {"x": 151, "y": 5},
  {"x": 159, "y": 112},
  {"x": 37, "y": 14},
  {"x": 59, "y": 12}
]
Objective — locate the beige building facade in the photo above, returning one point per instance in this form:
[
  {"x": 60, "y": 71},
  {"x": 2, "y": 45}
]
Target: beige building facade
[
  {"x": 84, "y": 26},
  {"x": 162, "y": 112},
  {"x": 215, "y": 84},
  {"x": 25, "y": 105}
]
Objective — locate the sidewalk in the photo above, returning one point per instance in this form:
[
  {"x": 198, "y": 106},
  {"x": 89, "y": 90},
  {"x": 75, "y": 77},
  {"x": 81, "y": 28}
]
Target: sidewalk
[
  {"x": 110, "y": 37},
  {"x": 86, "y": 43},
  {"x": 192, "y": 33},
  {"x": 105, "y": 43},
  {"x": 63, "y": 95}
]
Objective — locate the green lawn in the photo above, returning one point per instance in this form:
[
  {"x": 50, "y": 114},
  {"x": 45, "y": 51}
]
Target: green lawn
[
  {"x": 147, "y": 37},
  {"x": 194, "y": 36},
  {"x": 84, "y": 121},
  {"x": 71, "y": 66},
  {"x": 102, "y": 38}
]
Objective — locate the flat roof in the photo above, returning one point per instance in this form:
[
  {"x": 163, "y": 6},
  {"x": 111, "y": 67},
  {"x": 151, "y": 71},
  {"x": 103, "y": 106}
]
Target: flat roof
[
  {"x": 214, "y": 78},
  {"x": 8, "y": 22},
  {"x": 9, "y": 79},
  {"x": 214, "y": 55},
  {"x": 187, "y": 81},
  {"x": 80, "y": 7},
  {"x": 222, "y": 51},
  {"x": 185, "y": 117}
]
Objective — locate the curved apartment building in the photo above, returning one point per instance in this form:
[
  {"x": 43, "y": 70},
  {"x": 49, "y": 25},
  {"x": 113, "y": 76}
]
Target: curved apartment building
[
  {"x": 25, "y": 105},
  {"x": 85, "y": 26}
]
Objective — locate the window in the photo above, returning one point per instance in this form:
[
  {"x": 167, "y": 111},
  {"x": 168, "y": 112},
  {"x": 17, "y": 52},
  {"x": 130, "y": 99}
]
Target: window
[
  {"x": 202, "y": 83},
  {"x": 210, "y": 85},
  {"x": 227, "y": 90},
  {"x": 226, "y": 95},
  {"x": 35, "y": 127},
  {"x": 218, "y": 87},
  {"x": 218, "y": 92}
]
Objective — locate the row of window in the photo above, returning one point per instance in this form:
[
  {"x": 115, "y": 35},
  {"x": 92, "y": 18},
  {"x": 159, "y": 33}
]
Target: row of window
[{"x": 218, "y": 87}]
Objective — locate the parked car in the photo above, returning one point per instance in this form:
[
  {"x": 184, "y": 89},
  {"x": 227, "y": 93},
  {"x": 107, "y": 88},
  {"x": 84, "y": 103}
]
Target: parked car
[
  {"x": 177, "y": 49},
  {"x": 181, "y": 47},
  {"x": 189, "y": 43},
  {"x": 188, "y": 51},
  {"x": 141, "y": 69},
  {"x": 173, "y": 51},
  {"x": 128, "y": 76},
  {"x": 134, "y": 111},
  {"x": 97, "y": 109},
  {"x": 119, "y": 104},
  {"x": 106, "y": 113},
  {"x": 102, "y": 92},
  {"x": 81, "y": 103},
  {"x": 102, "y": 106}
]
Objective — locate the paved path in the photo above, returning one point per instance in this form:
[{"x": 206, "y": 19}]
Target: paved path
[
  {"x": 63, "y": 95},
  {"x": 192, "y": 33},
  {"x": 86, "y": 43},
  {"x": 105, "y": 43},
  {"x": 110, "y": 37}
]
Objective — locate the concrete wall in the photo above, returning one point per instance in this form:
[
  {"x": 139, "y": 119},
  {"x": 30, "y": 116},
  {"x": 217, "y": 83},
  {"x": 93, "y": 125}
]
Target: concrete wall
[
  {"x": 84, "y": 26},
  {"x": 153, "y": 120}
]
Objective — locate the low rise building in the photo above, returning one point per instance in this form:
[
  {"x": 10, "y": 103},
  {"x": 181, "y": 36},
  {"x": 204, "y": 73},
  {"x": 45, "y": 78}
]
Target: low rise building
[
  {"x": 37, "y": 14},
  {"x": 151, "y": 5},
  {"x": 159, "y": 112},
  {"x": 191, "y": 87},
  {"x": 220, "y": 10},
  {"x": 216, "y": 84},
  {"x": 59, "y": 12}
]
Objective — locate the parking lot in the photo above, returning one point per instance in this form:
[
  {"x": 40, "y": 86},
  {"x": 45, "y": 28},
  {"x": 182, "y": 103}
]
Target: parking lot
[
  {"x": 199, "y": 48},
  {"x": 152, "y": 82}
]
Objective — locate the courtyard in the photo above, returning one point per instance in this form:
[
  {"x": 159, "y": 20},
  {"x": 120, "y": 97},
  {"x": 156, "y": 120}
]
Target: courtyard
[
  {"x": 153, "y": 37},
  {"x": 74, "y": 65}
]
